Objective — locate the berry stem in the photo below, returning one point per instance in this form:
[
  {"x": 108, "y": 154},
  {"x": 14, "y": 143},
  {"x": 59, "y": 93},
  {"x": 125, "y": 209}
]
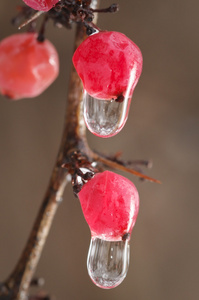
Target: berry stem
[{"x": 41, "y": 35}]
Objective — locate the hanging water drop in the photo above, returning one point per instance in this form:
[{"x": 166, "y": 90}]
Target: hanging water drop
[
  {"x": 108, "y": 262},
  {"x": 110, "y": 204},
  {"x": 109, "y": 65},
  {"x": 105, "y": 118}
]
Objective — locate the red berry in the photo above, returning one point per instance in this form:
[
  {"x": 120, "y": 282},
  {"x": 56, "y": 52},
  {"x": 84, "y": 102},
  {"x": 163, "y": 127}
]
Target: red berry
[
  {"x": 44, "y": 5},
  {"x": 106, "y": 63},
  {"x": 27, "y": 67},
  {"x": 110, "y": 204}
]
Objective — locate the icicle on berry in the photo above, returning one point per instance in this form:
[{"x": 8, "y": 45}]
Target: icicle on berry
[
  {"x": 109, "y": 65},
  {"x": 27, "y": 67},
  {"x": 43, "y": 5},
  {"x": 110, "y": 204}
]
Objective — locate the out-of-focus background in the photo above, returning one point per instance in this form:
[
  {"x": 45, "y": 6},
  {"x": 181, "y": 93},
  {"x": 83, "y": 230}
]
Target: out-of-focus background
[{"x": 163, "y": 125}]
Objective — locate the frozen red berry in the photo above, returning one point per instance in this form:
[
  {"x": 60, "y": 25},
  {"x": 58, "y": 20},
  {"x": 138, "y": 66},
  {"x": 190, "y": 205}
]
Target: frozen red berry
[
  {"x": 43, "y": 5},
  {"x": 110, "y": 204},
  {"x": 109, "y": 65},
  {"x": 27, "y": 67}
]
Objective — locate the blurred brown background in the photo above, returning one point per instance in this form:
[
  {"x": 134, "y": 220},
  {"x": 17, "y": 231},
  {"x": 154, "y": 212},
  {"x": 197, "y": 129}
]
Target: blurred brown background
[{"x": 163, "y": 125}]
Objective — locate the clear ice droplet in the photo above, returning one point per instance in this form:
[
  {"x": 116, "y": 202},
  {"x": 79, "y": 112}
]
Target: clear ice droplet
[
  {"x": 105, "y": 118},
  {"x": 108, "y": 262}
]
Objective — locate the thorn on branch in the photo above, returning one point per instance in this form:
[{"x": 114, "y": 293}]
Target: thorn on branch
[
  {"x": 32, "y": 18},
  {"x": 23, "y": 12}
]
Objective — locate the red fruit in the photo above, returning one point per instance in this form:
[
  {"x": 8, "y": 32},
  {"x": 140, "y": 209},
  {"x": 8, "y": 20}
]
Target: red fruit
[
  {"x": 107, "y": 63},
  {"x": 27, "y": 67},
  {"x": 44, "y": 5},
  {"x": 110, "y": 204}
]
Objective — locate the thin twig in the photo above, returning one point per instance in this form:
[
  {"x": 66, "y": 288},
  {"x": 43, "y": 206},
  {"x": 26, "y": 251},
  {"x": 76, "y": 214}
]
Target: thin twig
[
  {"x": 32, "y": 18},
  {"x": 115, "y": 165}
]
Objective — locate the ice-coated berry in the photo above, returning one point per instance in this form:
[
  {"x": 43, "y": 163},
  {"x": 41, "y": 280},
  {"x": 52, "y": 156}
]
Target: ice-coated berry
[
  {"x": 42, "y": 5},
  {"x": 27, "y": 67},
  {"x": 107, "y": 63},
  {"x": 110, "y": 204}
]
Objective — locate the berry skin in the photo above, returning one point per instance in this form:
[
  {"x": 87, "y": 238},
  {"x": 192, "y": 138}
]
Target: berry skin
[
  {"x": 27, "y": 67},
  {"x": 107, "y": 62},
  {"x": 43, "y": 5},
  {"x": 110, "y": 204}
]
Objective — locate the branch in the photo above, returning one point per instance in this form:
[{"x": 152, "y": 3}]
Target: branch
[{"x": 74, "y": 138}]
